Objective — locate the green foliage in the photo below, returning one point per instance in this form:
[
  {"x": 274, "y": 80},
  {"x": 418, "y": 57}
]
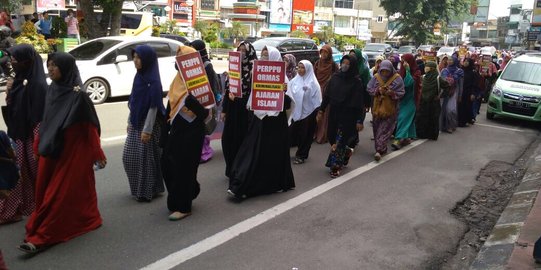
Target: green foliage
[
  {"x": 315, "y": 39},
  {"x": 298, "y": 34},
  {"x": 59, "y": 28},
  {"x": 219, "y": 45},
  {"x": 209, "y": 32},
  {"x": 29, "y": 35},
  {"x": 237, "y": 30},
  {"x": 326, "y": 34},
  {"x": 155, "y": 31},
  {"x": 418, "y": 17},
  {"x": 14, "y": 6},
  {"x": 342, "y": 41}
]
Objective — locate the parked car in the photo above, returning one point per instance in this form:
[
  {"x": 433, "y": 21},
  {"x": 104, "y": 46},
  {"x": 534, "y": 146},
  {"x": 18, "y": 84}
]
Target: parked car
[
  {"x": 517, "y": 92},
  {"x": 488, "y": 50},
  {"x": 374, "y": 50},
  {"x": 425, "y": 48},
  {"x": 446, "y": 51},
  {"x": 106, "y": 64},
  {"x": 406, "y": 49},
  {"x": 301, "y": 48},
  {"x": 182, "y": 39}
]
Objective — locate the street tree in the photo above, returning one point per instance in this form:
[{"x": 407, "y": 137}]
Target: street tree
[
  {"x": 236, "y": 31},
  {"x": 107, "y": 23},
  {"x": 415, "y": 19},
  {"x": 298, "y": 34},
  {"x": 12, "y": 5}
]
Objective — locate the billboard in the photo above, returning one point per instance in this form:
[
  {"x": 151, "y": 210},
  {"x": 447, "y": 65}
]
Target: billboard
[
  {"x": 280, "y": 12},
  {"x": 44, "y": 5},
  {"x": 303, "y": 16},
  {"x": 536, "y": 19}
]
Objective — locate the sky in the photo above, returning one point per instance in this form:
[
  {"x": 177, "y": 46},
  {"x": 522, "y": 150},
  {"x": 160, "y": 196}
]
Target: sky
[{"x": 500, "y": 8}]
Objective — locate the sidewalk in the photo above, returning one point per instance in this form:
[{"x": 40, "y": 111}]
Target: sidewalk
[{"x": 510, "y": 245}]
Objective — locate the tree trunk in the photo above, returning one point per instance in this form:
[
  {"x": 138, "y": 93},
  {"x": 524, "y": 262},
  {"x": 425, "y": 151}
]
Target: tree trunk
[
  {"x": 110, "y": 17},
  {"x": 94, "y": 29}
]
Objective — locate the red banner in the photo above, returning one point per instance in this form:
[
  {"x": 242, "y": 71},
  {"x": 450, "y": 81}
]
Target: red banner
[
  {"x": 235, "y": 73},
  {"x": 268, "y": 86},
  {"x": 193, "y": 71}
]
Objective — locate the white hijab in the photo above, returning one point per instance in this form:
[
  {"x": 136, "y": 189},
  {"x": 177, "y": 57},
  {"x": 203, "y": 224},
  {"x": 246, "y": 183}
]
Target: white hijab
[
  {"x": 306, "y": 92},
  {"x": 274, "y": 55}
]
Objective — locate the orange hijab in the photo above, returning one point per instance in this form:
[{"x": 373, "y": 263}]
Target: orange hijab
[{"x": 178, "y": 91}]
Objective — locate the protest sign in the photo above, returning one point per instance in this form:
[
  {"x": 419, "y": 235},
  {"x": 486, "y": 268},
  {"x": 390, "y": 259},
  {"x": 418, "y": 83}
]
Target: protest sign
[
  {"x": 268, "y": 86},
  {"x": 235, "y": 71},
  {"x": 485, "y": 63},
  {"x": 193, "y": 72},
  {"x": 430, "y": 56}
]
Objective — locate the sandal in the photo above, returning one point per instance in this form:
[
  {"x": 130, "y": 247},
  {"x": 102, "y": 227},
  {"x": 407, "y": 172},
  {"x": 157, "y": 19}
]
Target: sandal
[
  {"x": 178, "y": 216},
  {"x": 29, "y": 248},
  {"x": 298, "y": 160},
  {"x": 335, "y": 174},
  {"x": 377, "y": 157}
]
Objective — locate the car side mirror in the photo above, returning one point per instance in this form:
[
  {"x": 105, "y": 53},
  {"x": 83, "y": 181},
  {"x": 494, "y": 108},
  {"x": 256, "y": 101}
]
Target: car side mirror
[
  {"x": 121, "y": 58},
  {"x": 282, "y": 49}
]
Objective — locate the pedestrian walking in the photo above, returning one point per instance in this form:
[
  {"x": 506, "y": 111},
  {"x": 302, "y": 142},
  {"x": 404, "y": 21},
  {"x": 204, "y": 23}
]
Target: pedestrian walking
[
  {"x": 263, "y": 164},
  {"x": 306, "y": 93},
  {"x": 344, "y": 100},
  {"x": 469, "y": 94},
  {"x": 454, "y": 75},
  {"x": 44, "y": 25},
  {"x": 25, "y": 102},
  {"x": 405, "y": 128},
  {"x": 66, "y": 202},
  {"x": 324, "y": 69},
  {"x": 291, "y": 66},
  {"x": 142, "y": 153},
  {"x": 428, "y": 115},
  {"x": 234, "y": 112},
  {"x": 73, "y": 25},
  {"x": 387, "y": 88},
  {"x": 183, "y": 140},
  {"x": 365, "y": 76}
]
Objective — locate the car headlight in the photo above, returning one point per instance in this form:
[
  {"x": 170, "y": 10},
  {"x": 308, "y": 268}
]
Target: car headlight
[{"x": 497, "y": 91}]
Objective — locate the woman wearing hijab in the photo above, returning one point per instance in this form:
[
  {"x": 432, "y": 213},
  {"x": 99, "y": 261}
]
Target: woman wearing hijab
[
  {"x": 66, "y": 202},
  {"x": 142, "y": 153},
  {"x": 395, "y": 60},
  {"x": 387, "y": 87},
  {"x": 345, "y": 101},
  {"x": 263, "y": 164},
  {"x": 307, "y": 95},
  {"x": 444, "y": 62},
  {"x": 234, "y": 111},
  {"x": 324, "y": 69},
  {"x": 182, "y": 141},
  {"x": 365, "y": 76},
  {"x": 23, "y": 113},
  {"x": 469, "y": 94},
  {"x": 291, "y": 66},
  {"x": 207, "y": 153},
  {"x": 405, "y": 128},
  {"x": 375, "y": 69},
  {"x": 454, "y": 75},
  {"x": 428, "y": 115}
]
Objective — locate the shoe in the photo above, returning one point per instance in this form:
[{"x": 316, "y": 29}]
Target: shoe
[
  {"x": 30, "y": 248},
  {"x": 349, "y": 153},
  {"x": 232, "y": 194},
  {"x": 377, "y": 157},
  {"x": 335, "y": 173},
  {"x": 178, "y": 216},
  {"x": 395, "y": 145},
  {"x": 298, "y": 160}
]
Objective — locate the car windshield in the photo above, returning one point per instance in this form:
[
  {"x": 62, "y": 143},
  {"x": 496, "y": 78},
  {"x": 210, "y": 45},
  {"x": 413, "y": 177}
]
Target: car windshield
[
  {"x": 406, "y": 49},
  {"x": 260, "y": 44},
  {"x": 425, "y": 48},
  {"x": 93, "y": 49},
  {"x": 374, "y": 48},
  {"x": 523, "y": 72}
]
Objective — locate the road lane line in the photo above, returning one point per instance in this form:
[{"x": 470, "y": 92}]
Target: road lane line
[
  {"x": 500, "y": 127},
  {"x": 234, "y": 231},
  {"x": 116, "y": 138}
]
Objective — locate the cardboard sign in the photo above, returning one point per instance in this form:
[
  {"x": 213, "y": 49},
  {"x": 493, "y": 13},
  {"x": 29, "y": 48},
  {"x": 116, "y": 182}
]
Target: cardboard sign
[
  {"x": 268, "y": 86},
  {"x": 430, "y": 56},
  {"x": 193, "y": 72},
  {"x": 485, "y": 63},
  {"x": 462, "y": 52},
  {"x": 235, "y": 71}
]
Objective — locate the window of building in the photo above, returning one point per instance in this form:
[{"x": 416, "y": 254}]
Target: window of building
[
  {"x": 324, "y": 3},
  {"x": 343, "y": 4},
  {"x": 207, "y": 4},
  {"x": 342, "y": 21},
  {"x": 380, "y": 19}
]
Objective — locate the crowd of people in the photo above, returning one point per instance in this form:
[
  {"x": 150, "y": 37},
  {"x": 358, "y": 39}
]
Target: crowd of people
[{"x": 50, "y": 125}]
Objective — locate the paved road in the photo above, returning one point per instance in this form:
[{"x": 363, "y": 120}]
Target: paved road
[{"x": 391, "y": 215}]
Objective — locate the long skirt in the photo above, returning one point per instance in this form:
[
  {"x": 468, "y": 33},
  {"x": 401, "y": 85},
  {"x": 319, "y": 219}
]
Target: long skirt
[
  {"x": 66, "y": 201},
  {"x": 21, "y": 199},
  {"x": 235, "y": 129},
  {"x": 449, "y": 117},
  {"x": 383, "y": 130},
  {"x": 465, "y": 110},
  {"x": 405, "y": 127},
  {"x": 207, "y": 152},
  {"x": 428, "y": 120},
  {"x": 303, "y": 132},
  {"x": 142, "y": 163},
  {"x": 321, "y": 132},
  {"x": 180, "y": 162}
]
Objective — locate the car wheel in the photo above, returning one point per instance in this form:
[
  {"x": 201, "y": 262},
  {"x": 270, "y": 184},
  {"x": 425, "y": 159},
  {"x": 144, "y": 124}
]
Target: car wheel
[
  {"x": 97, "y": 89},
  {"x": 490, "y": 115}
]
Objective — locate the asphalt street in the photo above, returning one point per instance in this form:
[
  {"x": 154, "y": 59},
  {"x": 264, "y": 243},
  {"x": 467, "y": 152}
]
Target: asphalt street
[{"x": 388, "y": 215}]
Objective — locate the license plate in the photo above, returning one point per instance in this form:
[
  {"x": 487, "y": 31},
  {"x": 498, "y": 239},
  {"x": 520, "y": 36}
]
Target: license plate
[{"x": 519, "y": 104}]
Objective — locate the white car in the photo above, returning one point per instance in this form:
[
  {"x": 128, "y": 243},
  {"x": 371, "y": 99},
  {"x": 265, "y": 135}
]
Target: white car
[
  {"x": 446, "y": 51},
  {"x": 106, "y": 64}
]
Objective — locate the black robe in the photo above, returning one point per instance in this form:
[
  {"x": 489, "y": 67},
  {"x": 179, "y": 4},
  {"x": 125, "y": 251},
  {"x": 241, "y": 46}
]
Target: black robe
[
  {"x": 263, "y": 164},
  {"x": 235, "y": 128},
  {"x": 465, "y": 104},
  {"x": 182, "y": 143}
]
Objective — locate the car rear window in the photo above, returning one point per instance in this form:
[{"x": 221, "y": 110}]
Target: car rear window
[
  {"x": 374, "y": 48},
  {"x": 523, "y": 72}
]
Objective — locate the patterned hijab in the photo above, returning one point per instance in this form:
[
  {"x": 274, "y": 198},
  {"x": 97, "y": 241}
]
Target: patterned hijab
[
  {"x": 291, "y": 65},
  {"x": 247, "y": 66}
]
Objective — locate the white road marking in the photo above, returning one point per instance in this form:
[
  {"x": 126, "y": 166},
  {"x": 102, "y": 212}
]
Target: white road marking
[
  {"x": 111, "y": 103},
  {"x": 116, "y": 138},
  {"x": 500, "y": 127},
  {"x": 232, "y": 232}
]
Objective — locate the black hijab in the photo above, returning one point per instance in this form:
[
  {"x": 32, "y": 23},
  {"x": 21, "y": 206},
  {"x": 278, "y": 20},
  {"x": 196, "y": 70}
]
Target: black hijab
[
  {"x": 26, "y": 100},
  {"x": 200, "y": 46},
  {"x": 66, "y": 104},
  {"x": 353, "y": 70},
  {"x": 343, "y": 89},
  {"x": 471, "y": 77}
]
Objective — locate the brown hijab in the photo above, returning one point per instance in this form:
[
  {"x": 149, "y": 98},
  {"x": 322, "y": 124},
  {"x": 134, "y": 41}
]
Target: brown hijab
[
  {"x": 325, "y": 68},
  {"x": 178, "y": 90}
]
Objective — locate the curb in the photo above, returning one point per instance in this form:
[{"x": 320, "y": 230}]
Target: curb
[{"x": 504, "y": 238}]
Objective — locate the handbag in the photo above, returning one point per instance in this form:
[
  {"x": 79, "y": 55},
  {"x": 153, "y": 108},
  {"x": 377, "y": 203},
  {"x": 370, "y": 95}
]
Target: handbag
[{"x": 384, "y": 106}]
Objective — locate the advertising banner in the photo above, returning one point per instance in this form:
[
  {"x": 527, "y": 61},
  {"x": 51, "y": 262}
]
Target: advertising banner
[
  {"x": 193, "y": 72},
  {"x": 280, "y": 12},
  {"x": 268, "y": 86},
  {"x": 430, "y": 56},
  {"x": 235, "y": 71},
  {"x": 44, "y": 5},
  {"x": 536, "y": 18}
]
